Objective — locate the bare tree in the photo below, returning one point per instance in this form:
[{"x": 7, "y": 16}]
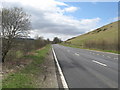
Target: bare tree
[{"x": 15, "y": 24}]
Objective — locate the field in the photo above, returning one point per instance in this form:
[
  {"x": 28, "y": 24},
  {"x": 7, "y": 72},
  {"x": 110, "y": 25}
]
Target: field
[{"x": 104, "y": 38}]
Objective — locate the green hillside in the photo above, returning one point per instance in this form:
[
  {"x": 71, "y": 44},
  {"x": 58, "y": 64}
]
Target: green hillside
[{"x": 105, "y": 38}]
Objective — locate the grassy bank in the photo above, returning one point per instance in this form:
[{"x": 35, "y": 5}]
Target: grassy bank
[
  {"x": 26, "y": 77},
  {"x": 104, "y": 38},
  {"x": 75, "y": 46}
]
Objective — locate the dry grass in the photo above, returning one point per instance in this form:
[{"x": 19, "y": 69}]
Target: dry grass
[{"x": 105, "y": 38}]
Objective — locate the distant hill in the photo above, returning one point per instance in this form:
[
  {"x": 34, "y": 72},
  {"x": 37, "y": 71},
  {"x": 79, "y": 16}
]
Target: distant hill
[{"x": 105, "y": 37}]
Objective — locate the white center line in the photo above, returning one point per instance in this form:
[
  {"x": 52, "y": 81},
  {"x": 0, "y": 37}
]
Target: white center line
[
  {"x": 77, "y": 54},
  {"x": 115, "y": 58},
  {"x": 99, "y": 63},
  {"x": 108, "y": 56},
  {"x": 68, "y": 50}
]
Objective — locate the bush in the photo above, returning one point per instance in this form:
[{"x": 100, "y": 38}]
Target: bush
[
  {"x": 102, "y": 44},
  {"x": 21, "y": 47}
]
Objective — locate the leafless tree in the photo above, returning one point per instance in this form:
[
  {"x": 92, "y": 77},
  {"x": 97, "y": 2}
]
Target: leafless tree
[{"x": 15, "y": 24}]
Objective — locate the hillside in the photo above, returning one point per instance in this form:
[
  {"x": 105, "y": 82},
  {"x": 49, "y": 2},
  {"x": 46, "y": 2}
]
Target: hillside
[{"x": 105, "y": 37}]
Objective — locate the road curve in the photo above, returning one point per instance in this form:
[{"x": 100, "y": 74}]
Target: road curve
[{"x": 87, "y": 69}]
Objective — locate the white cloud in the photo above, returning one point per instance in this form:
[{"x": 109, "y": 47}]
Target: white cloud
[
  {"x": 49, "y": 20},
  {"x": 50, "y": 35},
  {"x": 70, "y": 9}
]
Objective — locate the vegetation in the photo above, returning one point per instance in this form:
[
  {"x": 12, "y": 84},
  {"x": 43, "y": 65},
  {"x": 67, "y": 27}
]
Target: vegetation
[
  {"x": 56, "y": 40},
  {"x": 104, "y": 38},
  {"x": 22, "y": 47},
  {"x": 15, "y": 24},
  {"x": 15, "y": 28},
  {"x": 21, "y": 55},
  {"x": 74, "y": 46},
  {"x": 27, "y": 76}
]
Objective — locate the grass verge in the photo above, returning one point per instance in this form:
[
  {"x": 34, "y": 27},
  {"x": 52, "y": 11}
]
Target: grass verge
[
  {"x": 26, "y": 77},
  {"x": 74, "y": 46}
]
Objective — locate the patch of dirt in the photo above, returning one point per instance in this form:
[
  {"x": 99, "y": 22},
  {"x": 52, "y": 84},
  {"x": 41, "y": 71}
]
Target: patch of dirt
[{"x": 41, "y": 48}]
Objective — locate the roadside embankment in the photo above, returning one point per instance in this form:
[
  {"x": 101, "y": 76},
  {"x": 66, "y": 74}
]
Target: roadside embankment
[{"x": 39, "y": 73}]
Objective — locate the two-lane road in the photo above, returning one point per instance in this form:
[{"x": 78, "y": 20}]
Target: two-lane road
[{"x": 87, "y": 69}]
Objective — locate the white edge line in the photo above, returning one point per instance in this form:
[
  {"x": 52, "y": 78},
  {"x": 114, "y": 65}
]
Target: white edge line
[
  {"x": 60, "y": 71},
  {"x": 99, "y": 63}
]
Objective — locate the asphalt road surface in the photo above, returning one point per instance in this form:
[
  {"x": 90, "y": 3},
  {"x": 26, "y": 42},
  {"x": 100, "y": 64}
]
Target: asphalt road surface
[{"x": 87, "y": 69}]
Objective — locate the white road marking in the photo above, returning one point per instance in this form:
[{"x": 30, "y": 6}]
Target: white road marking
[
  {"x": 99, "y": 63},
  {"x": 60, "y": 71},
  {"x": 108, "y": 56},
  {"x": 115, "y": 58},
  {"x": 68, "y": 50},
  {"x": 77, "y": 54}
]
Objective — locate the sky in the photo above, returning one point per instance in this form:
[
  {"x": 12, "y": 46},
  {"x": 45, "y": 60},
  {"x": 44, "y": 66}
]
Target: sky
[{"x": 51, "y": 18}]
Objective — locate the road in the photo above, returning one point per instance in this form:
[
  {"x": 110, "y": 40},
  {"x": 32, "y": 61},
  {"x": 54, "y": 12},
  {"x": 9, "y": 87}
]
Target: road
[{"x": 87, "y": 69}]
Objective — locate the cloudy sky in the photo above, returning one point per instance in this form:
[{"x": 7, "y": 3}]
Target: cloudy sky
[{"x": 52, "y": 18}]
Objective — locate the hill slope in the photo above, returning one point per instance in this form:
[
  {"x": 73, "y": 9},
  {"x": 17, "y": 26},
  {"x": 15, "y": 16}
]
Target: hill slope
[{"x": 105, "y": 38}]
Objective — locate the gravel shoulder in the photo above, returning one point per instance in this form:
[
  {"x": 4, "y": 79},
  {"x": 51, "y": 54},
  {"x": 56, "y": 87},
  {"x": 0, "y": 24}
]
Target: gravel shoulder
[{"x": 48, "y": 76}]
